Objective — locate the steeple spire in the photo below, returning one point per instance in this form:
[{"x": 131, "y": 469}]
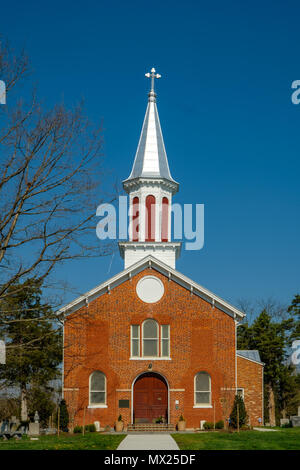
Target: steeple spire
[
  {"x": 151, "y": 159},
  {"x": 150, "y": 187}
]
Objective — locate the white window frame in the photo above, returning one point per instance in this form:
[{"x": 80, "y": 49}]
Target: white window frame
[
  {"x": 202, "y": 405},
  {"x": 98, "y": 405},
  {"x": 151, "y": 339},
  {"x": 139, "y": 341},
  {"x": 161, "y": 341}
]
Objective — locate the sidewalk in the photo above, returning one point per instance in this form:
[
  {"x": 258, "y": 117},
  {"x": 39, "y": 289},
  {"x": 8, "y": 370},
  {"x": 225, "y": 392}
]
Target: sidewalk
[{"x": 148, "y": 442}]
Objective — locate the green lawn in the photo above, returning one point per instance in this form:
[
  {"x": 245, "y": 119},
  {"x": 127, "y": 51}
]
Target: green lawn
[
  {"x": 285, "y": 439},
  {"x": 92, "y": 441}
]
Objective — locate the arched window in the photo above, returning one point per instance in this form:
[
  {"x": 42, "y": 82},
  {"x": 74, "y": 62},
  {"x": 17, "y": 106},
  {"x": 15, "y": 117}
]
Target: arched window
[
  {"x": 150, "y": 219},
  {"x": 150, "y": 338},
  {"x": 202, "y": 389},
  {"x": 164, "y": 219},
  {"x": 97, "y": 388},
  {"x": 135, "y": 219}
]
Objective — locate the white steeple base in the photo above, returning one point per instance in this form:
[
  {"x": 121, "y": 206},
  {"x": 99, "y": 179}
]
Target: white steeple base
[{"x": 167, "y": 252}]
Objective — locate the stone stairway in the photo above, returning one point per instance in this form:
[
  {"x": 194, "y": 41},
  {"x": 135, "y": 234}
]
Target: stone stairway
[{"x": 150, "y": 427}]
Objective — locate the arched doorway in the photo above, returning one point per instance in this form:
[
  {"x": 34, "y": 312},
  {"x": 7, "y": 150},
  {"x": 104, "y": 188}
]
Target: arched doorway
[{"x": 150, "y": 398}]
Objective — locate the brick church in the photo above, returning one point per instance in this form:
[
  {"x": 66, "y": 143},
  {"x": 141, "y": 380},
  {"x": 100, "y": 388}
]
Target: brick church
[{"x": 150, "y": 342}]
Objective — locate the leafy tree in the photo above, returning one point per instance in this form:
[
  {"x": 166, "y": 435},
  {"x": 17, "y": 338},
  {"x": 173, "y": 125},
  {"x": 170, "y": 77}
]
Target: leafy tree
[
  {"x": 34, "y": 346},
  {"x": 238, "y": 414},
  {"x": 41, "y": 399}
]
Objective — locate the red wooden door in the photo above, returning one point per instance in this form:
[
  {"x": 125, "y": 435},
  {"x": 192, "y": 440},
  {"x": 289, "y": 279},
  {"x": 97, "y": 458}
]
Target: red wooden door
[{"x": 150, "y": 398}]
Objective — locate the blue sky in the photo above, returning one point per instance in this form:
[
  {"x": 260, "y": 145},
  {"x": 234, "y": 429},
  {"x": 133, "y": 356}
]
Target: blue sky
[{"x": 230, "y": 129}]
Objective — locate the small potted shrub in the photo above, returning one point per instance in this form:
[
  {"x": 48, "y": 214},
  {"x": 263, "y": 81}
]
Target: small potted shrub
[
  {"x": 159, "y": 420},
  {"x": 181, "y": 424},
  {"x": 119, "y": 424}
]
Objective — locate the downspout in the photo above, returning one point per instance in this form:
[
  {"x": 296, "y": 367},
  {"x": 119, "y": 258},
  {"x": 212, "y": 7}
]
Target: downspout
[
  {"x": 63, "y": 361},
  {"x": 236, "y": 325},
  {"x": 263, "y": 397}
]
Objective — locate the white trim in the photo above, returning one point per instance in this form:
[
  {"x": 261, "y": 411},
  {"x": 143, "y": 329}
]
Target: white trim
[
  {"x": 97, "y": 406},
  {"x": 156, "y": 358},
  {"x": 202, "y": 406},
  {"x": 235, "y": 349},
  {"x": 263, "y": 397},
  {"x": 161, "y": 267},
  {"x": 123, "y": 389},
  {"x": 177, "y": 389},
  {"x": 63, "y": 363},
  {"x": 132, "y": 387},
  {"x": 70, "y": 389}
]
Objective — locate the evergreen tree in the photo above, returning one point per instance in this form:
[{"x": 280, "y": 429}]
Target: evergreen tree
[
  {"x": 238, "y": 413},
  {"x": 40, "y": 399},
  {"x": 294, "y": 309},
  {"x": 271, "y": 339},
  {"x": 63, "y": 416},
  {"x": 34, "y": 347}
]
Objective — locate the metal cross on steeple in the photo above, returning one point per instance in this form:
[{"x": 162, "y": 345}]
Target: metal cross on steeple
[{"x": 152, "y": 75}]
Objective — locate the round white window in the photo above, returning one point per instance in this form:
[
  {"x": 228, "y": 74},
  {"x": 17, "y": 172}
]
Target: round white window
[{"x": 150, "y": 289}]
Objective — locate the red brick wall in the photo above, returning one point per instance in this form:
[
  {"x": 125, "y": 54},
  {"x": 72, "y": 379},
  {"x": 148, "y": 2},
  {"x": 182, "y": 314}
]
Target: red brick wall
[
  {"x": 97, "y": 337},
  {"x": 250, "y": 377}
]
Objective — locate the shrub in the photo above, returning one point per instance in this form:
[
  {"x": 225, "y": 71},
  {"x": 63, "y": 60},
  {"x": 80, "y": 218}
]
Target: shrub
[
  {"x": 181, "y": 418},
  {"x": 238, "y": 404},
  {"x": 63, "y": 416},
  {"x": 120, "y": 418},
  {"x": 208, "y": 425},
  {"x": 91, "y": 428},
  {"x": 77, "y": 429},
  {"x": 287, "y": 425},
  {"x": 219, "y": 424}
]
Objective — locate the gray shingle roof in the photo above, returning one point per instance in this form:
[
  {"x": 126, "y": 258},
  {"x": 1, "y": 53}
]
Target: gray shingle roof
[{"x": 253, "y": 354}]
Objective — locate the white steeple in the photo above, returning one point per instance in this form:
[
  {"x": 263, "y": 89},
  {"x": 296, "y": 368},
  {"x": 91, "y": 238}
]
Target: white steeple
[
  {"x": 151, "y": 158},
  {"x": 150, "y": 187}
]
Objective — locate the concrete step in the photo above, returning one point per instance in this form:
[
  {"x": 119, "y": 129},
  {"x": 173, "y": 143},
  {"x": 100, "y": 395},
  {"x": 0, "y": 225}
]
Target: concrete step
[{"x": 150, "y": 427}]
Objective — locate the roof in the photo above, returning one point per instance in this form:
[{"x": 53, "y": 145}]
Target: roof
[
  {"x": 250, "y": 354},
  {"x": 172, "y": 274},
  {"x": 151, "y": 159}
]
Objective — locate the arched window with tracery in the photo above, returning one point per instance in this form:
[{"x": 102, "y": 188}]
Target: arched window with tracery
[
  {"x": 150, "y": 338},
  {"x": 97, "y": 388}
]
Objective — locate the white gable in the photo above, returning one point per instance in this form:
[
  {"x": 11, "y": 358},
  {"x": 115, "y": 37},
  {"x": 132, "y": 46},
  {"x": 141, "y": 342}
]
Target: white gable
[{"x": 150, "y": 261}]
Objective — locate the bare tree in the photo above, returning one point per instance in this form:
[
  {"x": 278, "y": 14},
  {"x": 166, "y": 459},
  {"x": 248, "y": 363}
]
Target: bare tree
[
  {"x": 50, "y": 180},
  {"x": 273, "y": 307}
]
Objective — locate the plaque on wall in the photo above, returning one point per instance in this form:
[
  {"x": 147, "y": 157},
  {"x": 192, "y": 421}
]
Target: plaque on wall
[{"x": 123, "y": 403}]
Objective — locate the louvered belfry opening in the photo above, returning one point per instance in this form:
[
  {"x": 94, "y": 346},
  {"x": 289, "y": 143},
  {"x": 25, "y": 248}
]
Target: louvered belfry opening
[{"x": 150, "y": 218}]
